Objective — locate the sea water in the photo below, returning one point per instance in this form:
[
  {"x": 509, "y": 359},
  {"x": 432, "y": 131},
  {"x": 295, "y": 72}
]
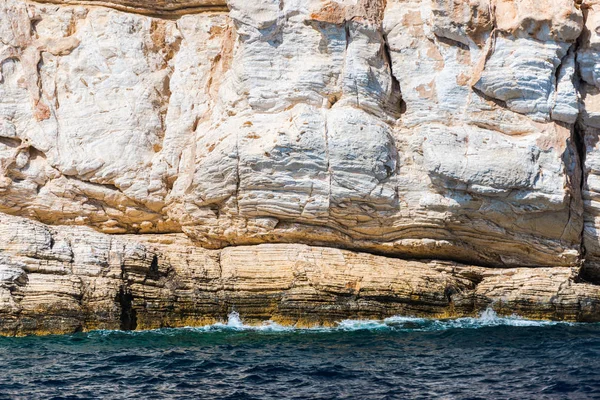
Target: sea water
[{"x": 398, "y": 358}]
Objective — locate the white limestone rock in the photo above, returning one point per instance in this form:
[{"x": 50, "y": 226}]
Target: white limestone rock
[
  {"x": 566, "y": 106},
  {"x": 521, "y": 72},
  {"x": 347, "y": 123},
  {"x": 588, "y": 54}
]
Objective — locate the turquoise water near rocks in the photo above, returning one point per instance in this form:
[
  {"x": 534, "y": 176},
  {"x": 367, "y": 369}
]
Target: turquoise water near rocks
[{"x": 469, "y": 358}]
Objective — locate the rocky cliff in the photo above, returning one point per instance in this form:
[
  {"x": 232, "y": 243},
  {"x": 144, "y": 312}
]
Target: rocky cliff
[{"x": 164, "y": 162}]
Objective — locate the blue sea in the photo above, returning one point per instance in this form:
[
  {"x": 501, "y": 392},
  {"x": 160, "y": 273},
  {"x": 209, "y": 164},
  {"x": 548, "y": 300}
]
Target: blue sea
[{"x": 399, "y": 358}]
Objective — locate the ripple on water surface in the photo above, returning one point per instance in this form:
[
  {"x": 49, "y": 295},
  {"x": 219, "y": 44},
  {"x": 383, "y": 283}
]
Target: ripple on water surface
[{"x": 399, "y": 357}]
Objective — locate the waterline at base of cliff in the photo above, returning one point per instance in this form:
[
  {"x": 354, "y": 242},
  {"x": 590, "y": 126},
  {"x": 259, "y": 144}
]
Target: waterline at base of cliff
[{"x": 485, "y": 357}]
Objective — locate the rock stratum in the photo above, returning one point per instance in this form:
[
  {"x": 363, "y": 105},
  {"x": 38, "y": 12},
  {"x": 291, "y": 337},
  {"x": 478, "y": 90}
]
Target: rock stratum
[{"x": 163, "y": 163}]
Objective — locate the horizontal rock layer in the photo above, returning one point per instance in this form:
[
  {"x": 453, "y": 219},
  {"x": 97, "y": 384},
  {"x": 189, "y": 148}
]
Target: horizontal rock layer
[
  {"x": 163, "y": 8},
  {"x": 68, "y": 279}
]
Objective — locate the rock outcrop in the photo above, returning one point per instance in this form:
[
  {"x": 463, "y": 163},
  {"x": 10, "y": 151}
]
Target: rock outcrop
[
  {"x": 67, "y": 279},
  {"x": 296, "y": 160}
]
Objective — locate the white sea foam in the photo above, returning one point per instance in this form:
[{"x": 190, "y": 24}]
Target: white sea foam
[
  {"x": 234, "y": 322},
  {"x": 488, "y": 318}
]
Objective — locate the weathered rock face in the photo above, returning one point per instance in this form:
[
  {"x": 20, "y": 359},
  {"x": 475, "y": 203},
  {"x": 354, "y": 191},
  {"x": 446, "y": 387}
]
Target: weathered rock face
[
  {"x": 65, "y": 279},
  {"x": 435, "y": 129}
]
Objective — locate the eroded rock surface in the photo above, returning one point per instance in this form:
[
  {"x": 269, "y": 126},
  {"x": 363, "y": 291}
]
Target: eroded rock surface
[
  {"x": 66, "y": 279},
  {"x": 456, "y": 130}
]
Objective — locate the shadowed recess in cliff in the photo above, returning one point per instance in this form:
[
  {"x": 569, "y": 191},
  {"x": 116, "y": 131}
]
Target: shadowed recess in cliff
[{"x": 128, "y": 314}]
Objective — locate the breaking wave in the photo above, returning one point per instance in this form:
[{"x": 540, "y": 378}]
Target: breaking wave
[{"x": 488, "y": 318}]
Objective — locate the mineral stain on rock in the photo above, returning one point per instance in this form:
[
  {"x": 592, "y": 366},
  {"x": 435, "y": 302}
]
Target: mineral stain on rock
[{"x": 161, "y": 162}]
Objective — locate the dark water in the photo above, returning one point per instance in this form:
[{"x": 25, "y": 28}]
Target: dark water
[{"x": 483, "y": 358}]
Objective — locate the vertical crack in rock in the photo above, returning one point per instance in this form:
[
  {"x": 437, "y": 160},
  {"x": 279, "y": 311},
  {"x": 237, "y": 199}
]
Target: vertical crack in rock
[
  {"x": 347, "y": 33},
  {"x": 395, "y": 83},
  {"x": 158, "y": 44},
  {"x": 559, "y": 67},
  {"x": 574, "y": 162},
  {"x": 579, "y": 141},
  {"x": 348, "y": 39},
  {"x": 553, "y": 98}
]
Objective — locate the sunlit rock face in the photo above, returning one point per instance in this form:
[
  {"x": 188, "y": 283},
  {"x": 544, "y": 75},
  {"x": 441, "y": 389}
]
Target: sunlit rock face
[
  {"x": 439, "y": 129},
  {"x": 432, "y": 129}
]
